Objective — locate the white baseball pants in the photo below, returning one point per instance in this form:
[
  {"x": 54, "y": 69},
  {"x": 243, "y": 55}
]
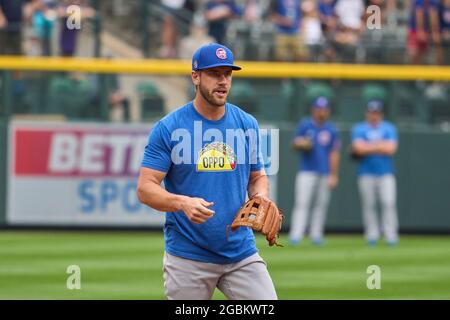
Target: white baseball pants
[
  {"x": 384, "y": 188},
  {"x": 309, "y": 185}
]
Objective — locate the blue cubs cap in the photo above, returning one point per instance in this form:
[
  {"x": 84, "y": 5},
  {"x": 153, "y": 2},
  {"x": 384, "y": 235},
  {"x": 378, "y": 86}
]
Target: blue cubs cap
[
  {"x": 375, "y": 105},
  {"x": 213, "y": 55},
  {"x": 320, "y": 103}
]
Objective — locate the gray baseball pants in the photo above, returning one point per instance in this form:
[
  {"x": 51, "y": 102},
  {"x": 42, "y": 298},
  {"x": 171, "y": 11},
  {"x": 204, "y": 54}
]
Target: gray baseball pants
[
  {"x": 308, "y": 185},
  {"x": 384, "y": 188},
  {"x": 186, "y": 279}
]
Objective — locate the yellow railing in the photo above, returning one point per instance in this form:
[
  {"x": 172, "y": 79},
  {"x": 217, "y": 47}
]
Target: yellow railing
[{"x": 251, "y": 69}]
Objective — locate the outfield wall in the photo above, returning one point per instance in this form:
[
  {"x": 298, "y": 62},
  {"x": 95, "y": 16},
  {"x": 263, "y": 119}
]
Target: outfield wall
[
  {"x": 423, "y": 182},
  {"x": 421, "y": 164}
]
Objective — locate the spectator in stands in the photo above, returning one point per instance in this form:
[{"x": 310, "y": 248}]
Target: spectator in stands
[
  {"x": 392, "y": 13},
  {"x": 218, "y": 14},
  {"x": 350, "y": 21},
  {"x": 389, "y": 10},
  {"x": 445, "y": 19},
  {"x": 176, "y": 12},
  {"x": 423, "y": 29},
  {"x": 118, "y": 102},
  {"x": 197, "y": 38},
  {"x": 329, "y": 21},
  {"x": 286, "y": 15},
  {"x": 311, "y": 29},
  {"x": 252, "y": 11},
  {"x": 68, "y": 35},
  {"x": 11, "y": 27},
  {"x": 327, "y": 14},
  {"x": 445, "y": 29},
  {"x": 43, "y": 19}
]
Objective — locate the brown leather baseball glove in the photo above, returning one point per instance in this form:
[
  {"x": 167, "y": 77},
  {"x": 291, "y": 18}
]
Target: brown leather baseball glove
[{"x": 261, "y": 214}]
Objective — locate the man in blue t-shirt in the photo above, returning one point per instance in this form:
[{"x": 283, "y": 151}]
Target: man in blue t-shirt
[
  {"x": 375, "y": 142},
  {"x": 207, "y": 153},
  {"x": 319, "y": 143}
]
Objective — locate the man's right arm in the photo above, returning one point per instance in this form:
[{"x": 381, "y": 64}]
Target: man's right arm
[
  {"x": 302, "y": 144},
  {"x": 150, "y": 192},
  {"x": 301, "y": 141}
]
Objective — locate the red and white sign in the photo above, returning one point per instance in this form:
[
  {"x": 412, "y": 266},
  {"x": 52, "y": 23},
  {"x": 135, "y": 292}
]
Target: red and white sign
[{"x": 77, "y": 174}]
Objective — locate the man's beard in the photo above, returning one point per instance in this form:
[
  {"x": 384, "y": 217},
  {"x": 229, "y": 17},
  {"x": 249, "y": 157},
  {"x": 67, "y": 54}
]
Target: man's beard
[{"x": 209, "y": 96}]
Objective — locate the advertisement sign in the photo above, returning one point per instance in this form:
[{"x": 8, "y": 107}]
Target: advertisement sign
[
  {"x": 77, "y": 174},
  {"x": 85, "y": 174}
]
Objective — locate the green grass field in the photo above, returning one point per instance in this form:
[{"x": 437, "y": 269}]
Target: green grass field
[{"x": 128, "y": 265}]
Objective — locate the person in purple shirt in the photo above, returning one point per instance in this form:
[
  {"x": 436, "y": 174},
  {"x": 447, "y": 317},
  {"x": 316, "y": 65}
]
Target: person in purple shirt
[
  {"x": 69, "y": 34},
  {"x": 319, "y": 143}
]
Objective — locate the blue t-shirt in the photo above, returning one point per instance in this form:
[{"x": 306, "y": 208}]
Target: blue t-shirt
[
  {"x": 426, "y": 5},
  {"x": 325, "y": 139},
  {"x": 289, "y": 9},
  {"x": 211, "y": 160},
  {"x": 375, "y": 164},
  {"x": 42, "y": 27},
  {"x": 327, "y": 9}
]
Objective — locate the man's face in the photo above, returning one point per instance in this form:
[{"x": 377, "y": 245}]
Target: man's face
[
  {"x": 374, "y": 116},
  {"x": 320, "y": 114},
  {"x": 214, "y": 84}
]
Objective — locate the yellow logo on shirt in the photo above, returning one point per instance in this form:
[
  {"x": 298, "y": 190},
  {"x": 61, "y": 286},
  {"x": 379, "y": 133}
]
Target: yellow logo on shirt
[{"x": 216, "y": 156}]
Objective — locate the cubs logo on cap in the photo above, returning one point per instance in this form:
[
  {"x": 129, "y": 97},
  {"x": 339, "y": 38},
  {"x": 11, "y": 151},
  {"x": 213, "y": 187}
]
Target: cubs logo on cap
[
  {"x": 320, "y": 103},
  {"x": 221, "y": 53},
  {"x": 213, "y": 55}
]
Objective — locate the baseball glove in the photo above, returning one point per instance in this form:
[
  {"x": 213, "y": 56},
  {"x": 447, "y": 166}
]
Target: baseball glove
[{"x": 261, "y": 214}]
